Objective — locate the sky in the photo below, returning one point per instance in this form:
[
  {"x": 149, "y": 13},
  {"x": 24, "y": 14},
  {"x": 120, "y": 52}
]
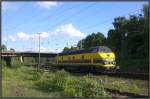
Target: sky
[{"x": 60, "y": 23}]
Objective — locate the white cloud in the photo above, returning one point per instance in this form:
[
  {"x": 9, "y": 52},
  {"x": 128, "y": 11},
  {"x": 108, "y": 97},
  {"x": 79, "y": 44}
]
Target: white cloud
[
  {"x": 47, "y": 4},
  {"x": 70, "y": 30},
  {"x": 43, "y": 49},
  {"x": 23, "y": 36},
  {"x": 13, "y": 39},
  {"x": 44, "y": 35}
]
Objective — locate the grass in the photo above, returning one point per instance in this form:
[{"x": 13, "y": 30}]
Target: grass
[
  {"x": 139, "y": 87},
  {"x": 19, "y": 82},
  {"x": 27, "y": 82},
  {"x": 70, "y": 86}
]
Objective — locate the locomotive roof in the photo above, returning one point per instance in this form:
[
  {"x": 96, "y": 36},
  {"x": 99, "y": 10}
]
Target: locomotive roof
[{"x": 91, "y": 50}]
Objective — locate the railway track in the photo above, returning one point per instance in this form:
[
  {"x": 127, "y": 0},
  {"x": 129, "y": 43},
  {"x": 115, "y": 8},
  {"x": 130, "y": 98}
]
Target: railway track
[
  {"x": 142, "y": 76},
  {"x": 121, "y": 75},
  {"x": 118, "y": 94}
]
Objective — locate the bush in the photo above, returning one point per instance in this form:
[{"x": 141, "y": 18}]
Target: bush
[
  {"x": 70, "y": 86},
  {"x": 86, "y": 87},
  {"x": 34, "y": 76},
  {"x": 15, "y": 62},
  {"x": 134, "y": 64},
  {"x": 2, "y": 62},
  {"x": 31, "y": 73}
]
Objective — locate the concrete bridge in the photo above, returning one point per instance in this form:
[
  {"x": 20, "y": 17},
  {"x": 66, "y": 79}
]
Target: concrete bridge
[
  {"x": 28, "y": 54},
  {"x": 7, "y": 56}
]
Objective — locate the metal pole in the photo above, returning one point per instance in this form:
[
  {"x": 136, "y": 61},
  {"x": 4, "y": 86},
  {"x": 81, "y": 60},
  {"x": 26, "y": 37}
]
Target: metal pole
[
  {"x": 39, "y": 52},
  {"x": 81, "y": 44},
  {"x": 67, "y": 45},
  {"x": 122, "y": 44},
  {"x": 32, "y": 43},
  {"x": 57, "y": 56}
]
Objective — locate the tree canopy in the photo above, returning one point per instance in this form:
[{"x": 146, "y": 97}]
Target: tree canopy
[
  {"x": 128, "y": 38},
  {"x": 94, "y": 39}
]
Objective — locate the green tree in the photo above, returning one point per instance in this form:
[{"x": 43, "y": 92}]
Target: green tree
[
  {"x": 95, "y": 39},
  {"x": 81, "y": 44},
  {"x": 116, "y": 35},
  {"x": 135, "y": 40},
  {"x": 146, "y": 30},
  {"x": 66, "y": 49},
  {"x": 70, "y": 49},
  {"x": 134, "y": 45}
]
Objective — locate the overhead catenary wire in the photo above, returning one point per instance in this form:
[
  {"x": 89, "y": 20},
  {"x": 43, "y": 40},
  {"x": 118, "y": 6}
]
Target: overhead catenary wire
[
  {"x": 58, "y": 21},
  {"x": 104, "y": 22},
  {"x": 65, "y": 18},
  {"x": 34, "y": 18},
  {"x": 88, "y": 27},
  {"x": 38, "y": 15},
  {"x": 91, "y": 26},
  {"x": 108, "y": 20},
  {"x": 78, "y": 11},
  {"x": 76, "y": 14}
]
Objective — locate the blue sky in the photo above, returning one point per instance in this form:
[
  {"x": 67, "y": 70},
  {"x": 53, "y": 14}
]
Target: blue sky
[{"x": 59, "y": 22}]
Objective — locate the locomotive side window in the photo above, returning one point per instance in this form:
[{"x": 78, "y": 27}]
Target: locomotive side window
[
  {"x": 68, "y": 57},
  {"x": 82, "y": 57},
  {"x": 62, "y": 58},
  {"x": 73, "y": 57}
]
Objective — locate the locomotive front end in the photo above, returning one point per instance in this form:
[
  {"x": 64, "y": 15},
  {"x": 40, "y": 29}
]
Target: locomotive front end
[{"x": 108, "y": 60}]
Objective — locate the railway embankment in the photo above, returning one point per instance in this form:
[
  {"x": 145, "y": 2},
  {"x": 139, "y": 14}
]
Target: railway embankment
[{"x": 27, "y": 82}]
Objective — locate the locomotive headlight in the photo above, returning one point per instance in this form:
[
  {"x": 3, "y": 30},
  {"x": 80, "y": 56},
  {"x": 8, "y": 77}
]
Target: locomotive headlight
[
  {"x": 105, "y": 62},
  {"x": 114, "y": 63}
]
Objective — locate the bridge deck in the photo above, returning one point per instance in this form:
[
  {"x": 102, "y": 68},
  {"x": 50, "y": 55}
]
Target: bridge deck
[{"x": 28, "y": 54}]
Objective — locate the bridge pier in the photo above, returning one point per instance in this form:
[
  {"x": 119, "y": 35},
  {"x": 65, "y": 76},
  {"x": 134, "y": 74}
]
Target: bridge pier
[
  {"x": 7, "y": 60},
  {"x": 22, "y": 59}
]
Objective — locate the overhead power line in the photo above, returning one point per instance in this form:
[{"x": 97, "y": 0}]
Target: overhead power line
[
  {"x": 104, "y": 22},
  {"x": 75, "y": 14},
  {"x": 38, "y": 16},
  {"x": 58, "y": 20}
]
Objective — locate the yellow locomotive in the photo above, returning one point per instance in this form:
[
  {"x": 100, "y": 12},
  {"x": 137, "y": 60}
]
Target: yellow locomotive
[{"x": 100, "y": 57}]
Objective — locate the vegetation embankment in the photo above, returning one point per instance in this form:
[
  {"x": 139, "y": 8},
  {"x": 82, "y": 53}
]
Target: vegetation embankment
[{"x": 27, "y": 82}]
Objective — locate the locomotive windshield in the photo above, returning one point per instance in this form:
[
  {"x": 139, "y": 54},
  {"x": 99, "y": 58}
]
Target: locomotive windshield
[{"x": 101, "y": 49}]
